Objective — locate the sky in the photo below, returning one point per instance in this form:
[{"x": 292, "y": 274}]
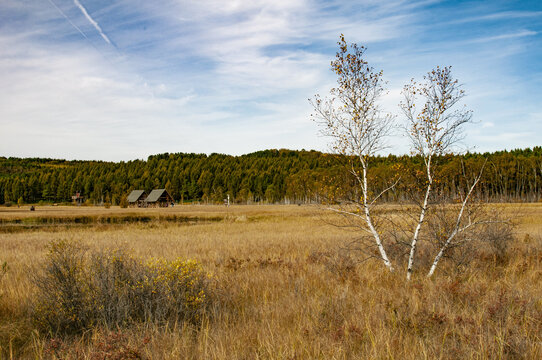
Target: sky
[{"x": 125, "y": 79}]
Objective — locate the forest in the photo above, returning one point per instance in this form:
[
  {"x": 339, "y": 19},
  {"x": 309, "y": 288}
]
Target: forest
[{"x": 269, "y": 176}]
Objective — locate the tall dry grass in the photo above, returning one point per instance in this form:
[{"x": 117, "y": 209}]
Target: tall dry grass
[{"x": 285, "y": 293}]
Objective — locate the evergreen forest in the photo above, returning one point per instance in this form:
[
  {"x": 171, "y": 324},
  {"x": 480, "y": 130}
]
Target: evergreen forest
[{"x": 269, "y": 176}]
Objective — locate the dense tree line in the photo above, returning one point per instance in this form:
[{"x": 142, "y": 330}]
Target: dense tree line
[{"x": 269, "y": 176}]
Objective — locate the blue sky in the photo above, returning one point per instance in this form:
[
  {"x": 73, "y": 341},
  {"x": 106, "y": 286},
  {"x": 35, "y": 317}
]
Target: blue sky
[{"x": 121, "y": 80}]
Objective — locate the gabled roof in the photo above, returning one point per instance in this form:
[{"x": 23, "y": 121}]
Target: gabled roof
[
  {"x": 135, "y": 195},
  {"x": 156, "y": 194}
]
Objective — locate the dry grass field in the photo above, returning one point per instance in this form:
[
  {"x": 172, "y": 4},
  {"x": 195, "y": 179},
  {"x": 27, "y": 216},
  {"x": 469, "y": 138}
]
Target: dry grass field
[{"x": 279, "y": 289}]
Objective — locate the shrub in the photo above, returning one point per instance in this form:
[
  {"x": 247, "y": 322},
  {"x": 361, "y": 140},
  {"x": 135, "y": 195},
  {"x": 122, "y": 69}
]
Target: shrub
[
  {"x": 79, "y": 289},
  {"x": 499, "y": 236},
  {"x": 63, "y": 291},
  {"x": 123, "y": 203},
  {"x": 111, "y": 345},
  {"x": 116, "y": 346}
]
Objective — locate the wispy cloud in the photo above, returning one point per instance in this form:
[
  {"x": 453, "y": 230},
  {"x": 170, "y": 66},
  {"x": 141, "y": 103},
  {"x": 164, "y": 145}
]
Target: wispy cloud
[
  {"x": 518, "y": 34},
  {"x": 234, "y": 76},
  {"x": 504, "y": 15},
  {"x": 91, "y": 20}
]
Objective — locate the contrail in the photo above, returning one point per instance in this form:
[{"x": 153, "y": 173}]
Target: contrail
[
  {"x": 67, "y": 18},
  {"x": 81, "y": 32},
  {"x": 91, "y": 20}
]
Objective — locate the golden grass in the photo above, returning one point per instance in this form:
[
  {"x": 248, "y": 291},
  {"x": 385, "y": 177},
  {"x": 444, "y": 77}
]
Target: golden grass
[
  {"x": 13, "y": 212},
  {"x": 278, "y": 297}
]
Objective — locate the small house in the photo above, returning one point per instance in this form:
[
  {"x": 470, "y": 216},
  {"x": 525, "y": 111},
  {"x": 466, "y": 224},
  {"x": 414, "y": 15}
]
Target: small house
[
  {"x": 137, "y": 198},
  {"x": 159, "y": 198},
  {"x": 78, "y": 199}
]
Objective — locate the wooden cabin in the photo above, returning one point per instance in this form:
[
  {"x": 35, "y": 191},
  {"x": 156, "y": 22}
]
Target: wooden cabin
[
  {"x": 159, "y": 198},
  {"x": 137, "y": 198}
]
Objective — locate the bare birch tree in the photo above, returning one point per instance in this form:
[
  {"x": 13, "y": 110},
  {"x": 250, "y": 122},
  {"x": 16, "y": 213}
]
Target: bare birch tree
[
  {"x": 433, "y": 129},
  {"x": 453, "y": 230},
  {"x": 353, "y": 119}
]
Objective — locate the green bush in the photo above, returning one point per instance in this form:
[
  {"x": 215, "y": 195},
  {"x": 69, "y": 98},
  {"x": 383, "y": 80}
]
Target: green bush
[{"x": 79, "y": 289}]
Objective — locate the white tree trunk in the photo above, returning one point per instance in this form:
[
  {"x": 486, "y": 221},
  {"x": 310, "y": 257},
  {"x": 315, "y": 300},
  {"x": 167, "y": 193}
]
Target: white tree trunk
[
  {"x": 369, "y": 221},
  {"x": 441, "y": 253},
  {"x": 414, "y": 242}
]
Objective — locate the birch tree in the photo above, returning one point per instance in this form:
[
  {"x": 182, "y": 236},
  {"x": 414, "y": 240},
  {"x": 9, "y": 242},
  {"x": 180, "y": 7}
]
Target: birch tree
[
  {"x": 433, "y": 129},
  {"x": 352, "y": 118}
]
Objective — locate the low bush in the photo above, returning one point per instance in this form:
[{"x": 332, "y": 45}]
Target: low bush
[
  {"x": 499, "y": 236},
  {"x": 123, "y": 203},
  {"x": 79, "y": 289},
  {"x": 111, "y": 345}
]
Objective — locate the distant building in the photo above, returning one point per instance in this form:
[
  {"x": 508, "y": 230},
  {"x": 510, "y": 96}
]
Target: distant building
[
  {"x": 78, "y": 199},
  {"x": 159, "y": 198},
  {"x": 137, "y": 198}
]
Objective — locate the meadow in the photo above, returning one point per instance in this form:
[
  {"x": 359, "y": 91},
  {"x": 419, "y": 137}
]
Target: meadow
[{"x": 279, "y": 288}]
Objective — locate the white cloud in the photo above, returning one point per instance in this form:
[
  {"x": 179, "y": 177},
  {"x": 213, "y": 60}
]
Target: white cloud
[
  {"x": 499, "y": 16},
  {"x": 54, "y": 97},
  {"x": 513, "y": 35},
  {"x": 222, "y": 76},
  {"x": 487, "y": 124}
]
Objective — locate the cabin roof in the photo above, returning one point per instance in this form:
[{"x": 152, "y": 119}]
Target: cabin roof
[
  {"x": 156, "y": 194},
  {"x": 135, "y": 195}
]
